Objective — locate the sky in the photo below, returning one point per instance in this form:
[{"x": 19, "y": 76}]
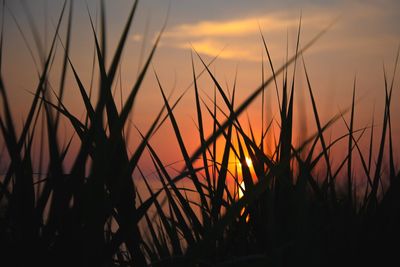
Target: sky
[{"x": 362, "y": 41}]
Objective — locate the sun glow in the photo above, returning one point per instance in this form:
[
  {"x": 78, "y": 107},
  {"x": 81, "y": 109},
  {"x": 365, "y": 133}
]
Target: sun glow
[
  {"x": 249, "y": 162},
  {"x": 241, "y": 189}
]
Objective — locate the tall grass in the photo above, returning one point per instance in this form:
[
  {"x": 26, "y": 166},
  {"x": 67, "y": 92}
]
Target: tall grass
[{"x": 275, "y": 211}]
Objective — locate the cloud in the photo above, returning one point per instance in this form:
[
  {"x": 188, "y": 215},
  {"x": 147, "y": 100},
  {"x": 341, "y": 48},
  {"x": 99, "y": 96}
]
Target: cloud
[
  {"x": 247, "y": 26},
  {"x": 238, "y": 38},
  {"x": 231, "y": 28},
  {"x": 214, "y": 48}
]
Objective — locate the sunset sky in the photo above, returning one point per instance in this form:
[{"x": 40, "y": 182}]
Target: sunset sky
[{"x": 365, "y": 37}]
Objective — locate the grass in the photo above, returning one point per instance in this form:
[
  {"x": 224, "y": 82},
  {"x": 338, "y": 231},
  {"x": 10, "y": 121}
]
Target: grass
[{"x": 93, "y": 214}]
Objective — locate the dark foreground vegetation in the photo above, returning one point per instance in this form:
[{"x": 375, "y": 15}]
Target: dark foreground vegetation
[{"x": 290, "y": 211}]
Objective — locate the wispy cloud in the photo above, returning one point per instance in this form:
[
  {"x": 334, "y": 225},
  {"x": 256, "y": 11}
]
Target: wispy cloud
[
  {"x": 237, "y": 37},
  {"x": 214, "y": 48},
  {"x": 232, "y": 28}
]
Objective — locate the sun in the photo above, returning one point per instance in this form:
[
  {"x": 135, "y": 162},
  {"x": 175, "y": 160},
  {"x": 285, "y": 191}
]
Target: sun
[
  {"x": 249, "y": 162},
  {"x": 241, "y": 189}
]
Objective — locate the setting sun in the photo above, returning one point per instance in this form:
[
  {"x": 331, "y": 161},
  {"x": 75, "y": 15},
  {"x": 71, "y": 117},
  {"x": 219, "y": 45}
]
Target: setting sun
[
  {"x": 249, "y": 162},
  {"x": 242, "y": 188}
]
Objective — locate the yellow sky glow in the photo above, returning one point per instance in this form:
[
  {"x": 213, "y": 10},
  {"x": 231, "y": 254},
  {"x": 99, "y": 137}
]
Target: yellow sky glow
[
  {"x": 214, "y": 48},
  {"x": 236, "y": 36},
  {"x": 242, "y": 27}
]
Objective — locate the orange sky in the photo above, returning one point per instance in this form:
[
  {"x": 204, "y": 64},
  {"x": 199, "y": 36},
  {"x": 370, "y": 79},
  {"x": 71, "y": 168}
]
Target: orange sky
[{"x": 365, "y": 37}]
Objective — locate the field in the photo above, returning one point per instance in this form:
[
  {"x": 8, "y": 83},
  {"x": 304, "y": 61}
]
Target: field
[{"x": 270, "y": 194}]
